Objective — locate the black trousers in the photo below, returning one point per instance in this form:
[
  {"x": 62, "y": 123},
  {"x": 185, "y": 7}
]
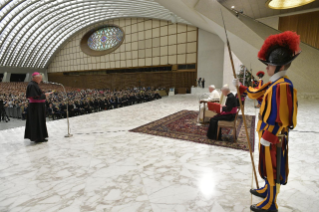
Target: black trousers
[
  {"x": 213, "y": 124},
  {"x": 63, "y": 113},
  {"x": 2, "y": 113}
]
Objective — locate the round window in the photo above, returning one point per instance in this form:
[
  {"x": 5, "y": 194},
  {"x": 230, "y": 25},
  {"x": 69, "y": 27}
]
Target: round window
[{"x": 102, "y": 40}]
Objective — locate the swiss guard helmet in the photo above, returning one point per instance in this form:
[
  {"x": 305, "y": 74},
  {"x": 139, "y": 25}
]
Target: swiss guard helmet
[
  {"x": 279, "y": 50},
  {"x": 260, "y": 74}
]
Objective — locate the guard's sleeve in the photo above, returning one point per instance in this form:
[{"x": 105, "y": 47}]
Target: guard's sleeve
[
  {"x": 260, "y": 83},
  {"x": 254, "y": 93},
  {"x": 286, "y": 105},
  {"x": 281, "y": 111}
]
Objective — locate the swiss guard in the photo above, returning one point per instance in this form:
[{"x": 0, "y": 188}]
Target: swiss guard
[
  {"x": 258, "y": 84},
  {"x": 277, "y": 116}
]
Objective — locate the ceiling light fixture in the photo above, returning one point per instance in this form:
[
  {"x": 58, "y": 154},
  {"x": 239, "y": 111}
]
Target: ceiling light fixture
[
  {"x": 232, "y": 7},
  {"x": 286, "y": 4}
]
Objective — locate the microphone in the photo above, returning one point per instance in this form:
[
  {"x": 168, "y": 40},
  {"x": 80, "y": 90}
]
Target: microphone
[{"x": 67, "y": 106}]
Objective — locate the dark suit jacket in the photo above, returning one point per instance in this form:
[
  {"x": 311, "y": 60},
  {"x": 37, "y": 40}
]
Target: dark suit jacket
[{"x": 230, "y": 103}]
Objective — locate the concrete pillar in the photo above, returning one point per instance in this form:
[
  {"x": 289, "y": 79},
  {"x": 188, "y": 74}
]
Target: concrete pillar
[
  {"x": 27, "y": 77},
  {"x": 210, "y": 59},
  {"x": 6, "y": 77},
  {"x": 44, "y": 77}
]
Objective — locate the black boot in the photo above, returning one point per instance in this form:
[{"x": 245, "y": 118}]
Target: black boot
[
  {"x": 254, "y": 192},
  {"x": 269, "y": 203},
  {"x": 256, "y": 209}
]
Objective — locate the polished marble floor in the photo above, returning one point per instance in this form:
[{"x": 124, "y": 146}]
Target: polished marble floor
[
  {"x": 103, "y": 167},
  {"x": 11, "y": 124}
]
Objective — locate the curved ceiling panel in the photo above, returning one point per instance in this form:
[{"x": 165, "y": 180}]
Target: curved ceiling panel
[{"x": 32, "y": 30}]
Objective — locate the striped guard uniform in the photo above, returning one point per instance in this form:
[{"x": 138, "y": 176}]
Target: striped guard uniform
[
  {"x": 260, "y": 84},
  {"x": 278, "y": 112}
]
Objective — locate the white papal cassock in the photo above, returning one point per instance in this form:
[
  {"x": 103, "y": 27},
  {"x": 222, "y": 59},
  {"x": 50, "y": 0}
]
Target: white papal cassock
[{"x": 213, "y": 97}]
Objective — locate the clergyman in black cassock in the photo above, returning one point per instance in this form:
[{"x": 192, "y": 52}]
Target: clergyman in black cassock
[
  {"x": 36, "y": 129},
  {"x": 228, "y": 113}
]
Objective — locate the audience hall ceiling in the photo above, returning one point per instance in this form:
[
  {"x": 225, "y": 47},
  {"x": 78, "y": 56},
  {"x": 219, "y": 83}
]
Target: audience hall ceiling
[{"x": 31, "y": 31}]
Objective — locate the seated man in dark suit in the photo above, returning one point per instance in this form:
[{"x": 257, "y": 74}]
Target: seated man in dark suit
[
  {"x": 102, "y": 104},
  {"x": 96, "y": 105},
  {"x": 79, "y": 107},
  {"x": 57, "y": 111},
  {"x": 118, "y": 101},
  {"x": 112, "y": 102},
  {"x": 132, "y": 99},
  {"x": 107, "y": 103},
  {"x": 157, "y": 95},
  {"x": 228, "y": 113},
  {"x": 86, "y": 106},
  {"x": 63, "y": 109},
  {"x": 124, "y": 100},
  {"x": 25, "y": 111},
  {"x": 138, "y": 98},
  {"x": 71, "y": 109},
  {"x": 91, "y": 104},
  {"x": 51, "y": 110}
]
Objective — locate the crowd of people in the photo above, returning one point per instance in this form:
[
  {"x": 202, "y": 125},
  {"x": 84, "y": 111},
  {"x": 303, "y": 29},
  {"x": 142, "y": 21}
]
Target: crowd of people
[{"x": 80, "y": 101}]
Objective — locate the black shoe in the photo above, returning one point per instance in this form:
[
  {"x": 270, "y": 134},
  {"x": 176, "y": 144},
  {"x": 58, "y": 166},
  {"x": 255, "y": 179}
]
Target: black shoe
[
  {"x": 254, "y": 208},
  {"x": 254, "y": 192}
]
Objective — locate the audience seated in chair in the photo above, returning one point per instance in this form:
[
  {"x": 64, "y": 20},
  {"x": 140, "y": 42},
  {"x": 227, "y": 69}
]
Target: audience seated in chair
[
  {"x": 80, "y": 101},
  {"x": 228, "y": 113}
]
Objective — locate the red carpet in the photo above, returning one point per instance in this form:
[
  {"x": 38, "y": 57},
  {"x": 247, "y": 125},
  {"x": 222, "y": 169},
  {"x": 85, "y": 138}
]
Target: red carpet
[{"x": 182, "y": 125}]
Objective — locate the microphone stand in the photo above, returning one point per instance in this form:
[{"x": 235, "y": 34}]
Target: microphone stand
[{"x": 67, "y": 108}]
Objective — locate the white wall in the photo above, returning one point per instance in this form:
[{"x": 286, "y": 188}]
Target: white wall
[
  {"x": 210, "y": 58},
  {"x": 270, "y": 21},
  {"x": 228, "y": 72}
]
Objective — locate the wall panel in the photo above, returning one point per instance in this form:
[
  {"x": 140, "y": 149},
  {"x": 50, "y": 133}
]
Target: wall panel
[
  {"x": 306, "y": 25},
  {"x": 177, "y": 79},
  {"x": 144, "y": 38}
]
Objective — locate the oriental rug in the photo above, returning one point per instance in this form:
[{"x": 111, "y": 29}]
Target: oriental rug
[{"x": 182, "y": 125}]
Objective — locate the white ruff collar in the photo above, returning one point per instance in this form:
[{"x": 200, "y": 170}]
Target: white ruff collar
[{"x": 278, "y": 75}]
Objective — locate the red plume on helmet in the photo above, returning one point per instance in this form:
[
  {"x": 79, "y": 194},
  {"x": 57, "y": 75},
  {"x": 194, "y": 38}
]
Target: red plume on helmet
[
  {"x": 287, "y": 41},
  {"x": 260, "y": 73}
]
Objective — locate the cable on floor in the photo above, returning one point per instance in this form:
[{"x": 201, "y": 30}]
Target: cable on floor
[{"x": 88, "y": 133}]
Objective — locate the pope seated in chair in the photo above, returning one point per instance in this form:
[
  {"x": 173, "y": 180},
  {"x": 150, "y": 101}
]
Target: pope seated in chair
[
  {"x": 228, "y": 113},
  {"x": 213, "y": 97}
]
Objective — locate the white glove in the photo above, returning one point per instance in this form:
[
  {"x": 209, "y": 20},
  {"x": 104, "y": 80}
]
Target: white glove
[
  {"x": 264, "y": 142},
  {"x": 236, "y": 82}
]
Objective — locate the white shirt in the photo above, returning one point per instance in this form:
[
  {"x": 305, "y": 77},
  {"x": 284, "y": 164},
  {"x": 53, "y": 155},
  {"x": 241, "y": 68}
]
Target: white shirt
[
  {"x": 213, "y": 96},
  {"x": 278, "y": 75}
]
